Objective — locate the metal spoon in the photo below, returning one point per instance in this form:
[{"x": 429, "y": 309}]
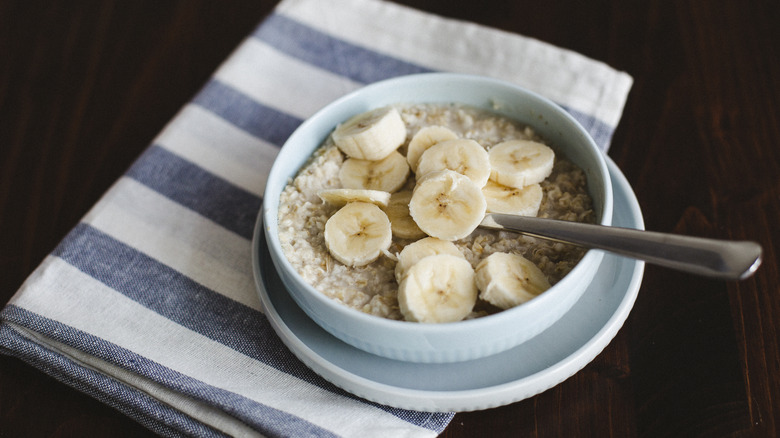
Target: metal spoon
[{"x": 723, "y": 259}]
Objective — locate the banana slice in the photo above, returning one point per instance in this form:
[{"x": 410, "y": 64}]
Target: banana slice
[
  {"x": 341, "y": 197},
  {"x": 518, "y": 163},
  {"x": 438, "y": 288},
  {"x": 416, "y": 251},
  {"x": 358, "y": 234},
  {"x": 388, "y": 174},
  {"x": 510, "y": 200},
  {"x": 507, "y": 280},
  {"x": 464, "y": 156},
  {"x": 371, "y": 135},
  {"x": 425, "y": 138},
  {"x": 401, "y": 222},
  {"x": 447, "y": 205}
]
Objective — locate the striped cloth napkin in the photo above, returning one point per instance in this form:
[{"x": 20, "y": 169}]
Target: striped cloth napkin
[{"x": 149, "y": 303}]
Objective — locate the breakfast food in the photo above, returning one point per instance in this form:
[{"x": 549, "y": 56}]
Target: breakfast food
[
  {"x": 358, "y": 233},
  {"x": 466, "y": 157},
  {"x": 384, "y": 217},
  {"x": 438, "y": 288},
  {"x": 418, "y": 250},
  {"x": 447, "y": 205},
  {"x": 341, "y": 197},
  {"x": 507, "y": 280},
  {"x": 426, "y": 137},
  {"x": 388, "y": 174},
  {"x": 518, "y": 163},
  {"x": 372, "y": 135},
  {"x": 524, "y": 201}
]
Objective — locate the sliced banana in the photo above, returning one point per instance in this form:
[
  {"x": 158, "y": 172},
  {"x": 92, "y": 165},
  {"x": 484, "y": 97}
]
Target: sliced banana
[
  {"x": 510, "y": 200},
  {"x": 425, "y": 138},
  {"x": 388, "y": 174},
  {"x": 447, "y": 205},
  {"x": 372, "y": 135},
  {"x": 416, "y": 251},
  {"x": 518, "y": 163},
  {"x": 464, "y": 156},
  {"x": 341, "y": 197},
  {"x": 438, "y": 288},
  {"x": 358, "y": 233},
  {"x": 401, "y": 221},
  {"x": 507, "y": 280}
]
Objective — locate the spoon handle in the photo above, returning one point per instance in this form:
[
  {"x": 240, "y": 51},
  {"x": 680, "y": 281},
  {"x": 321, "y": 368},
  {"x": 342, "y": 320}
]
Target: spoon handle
[{"x": 709, "y": 257}]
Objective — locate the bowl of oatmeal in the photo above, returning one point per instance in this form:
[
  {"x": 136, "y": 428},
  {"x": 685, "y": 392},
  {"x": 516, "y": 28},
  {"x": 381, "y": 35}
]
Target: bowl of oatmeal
[{"x": 371, "y": 214}]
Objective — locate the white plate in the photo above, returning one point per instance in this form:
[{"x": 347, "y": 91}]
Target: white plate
[{"x": 514, "y": 375}]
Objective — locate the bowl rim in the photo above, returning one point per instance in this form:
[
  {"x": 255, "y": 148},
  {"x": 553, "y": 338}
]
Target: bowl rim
[{"x": 406, "y": 327}]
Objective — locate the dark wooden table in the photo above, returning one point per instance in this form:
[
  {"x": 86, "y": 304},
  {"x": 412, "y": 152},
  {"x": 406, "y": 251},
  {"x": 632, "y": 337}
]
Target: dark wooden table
[{"x": 86, "y": 85}]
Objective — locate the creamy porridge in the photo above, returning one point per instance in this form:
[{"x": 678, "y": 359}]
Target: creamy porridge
[{"x": 373, "y": 288}]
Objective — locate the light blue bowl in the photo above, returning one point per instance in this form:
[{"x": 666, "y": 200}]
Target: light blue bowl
[{"x": 458, "y": 341}]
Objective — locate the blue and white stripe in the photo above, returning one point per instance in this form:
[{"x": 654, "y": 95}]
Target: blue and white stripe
[{"x": 149, "y": 303}]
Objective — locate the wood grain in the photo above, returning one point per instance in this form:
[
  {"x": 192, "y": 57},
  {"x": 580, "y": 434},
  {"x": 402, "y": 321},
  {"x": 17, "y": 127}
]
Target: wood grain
[{"x": 86, "y": 85}]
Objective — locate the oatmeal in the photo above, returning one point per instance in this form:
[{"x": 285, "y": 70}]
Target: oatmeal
[{"x": 374, "y": 287}]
